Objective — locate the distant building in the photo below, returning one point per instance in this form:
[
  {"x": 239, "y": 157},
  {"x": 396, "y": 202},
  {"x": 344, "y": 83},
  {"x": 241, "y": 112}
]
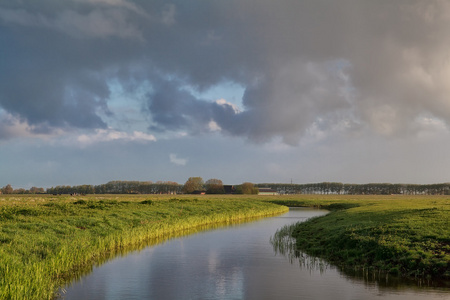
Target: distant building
[
  {"x": 199, "y": 192},
  {"x": 229, "y": 189},
  {"x": 267, "y": 191}
]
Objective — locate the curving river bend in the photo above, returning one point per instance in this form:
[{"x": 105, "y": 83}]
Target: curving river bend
[{"x": 234, "y": 262}]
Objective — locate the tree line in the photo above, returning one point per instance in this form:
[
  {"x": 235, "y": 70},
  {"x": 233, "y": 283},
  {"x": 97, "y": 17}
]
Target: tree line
[
  {"x": 194, "y": 185},
  {"x": 360, "y": 189},
  {"x": 216, "y": 186},
  {"x": 8, "y": 189},
  {"x": 120, "y": 187}
]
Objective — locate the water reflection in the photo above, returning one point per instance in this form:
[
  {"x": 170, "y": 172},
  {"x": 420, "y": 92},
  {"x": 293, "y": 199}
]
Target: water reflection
[
  {"x": 80, "y": 272},
  {"x": 233, "y": 262},
  {"x": 284, "y": 244}
]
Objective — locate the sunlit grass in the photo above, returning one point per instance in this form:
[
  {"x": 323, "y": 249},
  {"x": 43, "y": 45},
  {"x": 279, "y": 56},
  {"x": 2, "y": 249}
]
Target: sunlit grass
[
  {"x": 403, "y": 235},
  {"x": 45, "y": 240}
]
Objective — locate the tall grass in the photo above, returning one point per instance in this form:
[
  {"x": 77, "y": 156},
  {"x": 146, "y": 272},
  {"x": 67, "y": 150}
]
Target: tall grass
[
  {"x": 47, "y": 240},
  {"x": 402, "y": 235}
]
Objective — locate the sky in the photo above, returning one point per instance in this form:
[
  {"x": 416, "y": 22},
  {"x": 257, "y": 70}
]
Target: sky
[{"x": 353, "y": 91}]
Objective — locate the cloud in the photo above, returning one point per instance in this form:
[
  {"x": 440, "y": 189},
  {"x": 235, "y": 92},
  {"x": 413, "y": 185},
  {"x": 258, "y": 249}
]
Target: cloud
[
  {"x": 114, "y": 3},
  {"x": 213, "y": 126},
  {"x": 352, "y": 62},
  {"x": 62, "y": 83},
  {"x": 12, "y": 127},
  {"x": 97, "y": 23},
  {"x": 107, "y": 135},
  {"x": 225, "y": 103},
  {"x": 176, "y": 160},
  {"x": 168, "y": 14},
  {"x": 378, "y": 67}
]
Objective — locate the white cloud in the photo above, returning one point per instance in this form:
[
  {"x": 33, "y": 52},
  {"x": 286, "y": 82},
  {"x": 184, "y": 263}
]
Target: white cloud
[
  {"x": 13, "y": 127},
  {"x": 176, "y": 160},
  {"x": 224, "y": 102},
  {"x": 213, "y": 126},
  {"x": 106, "y": 135}
]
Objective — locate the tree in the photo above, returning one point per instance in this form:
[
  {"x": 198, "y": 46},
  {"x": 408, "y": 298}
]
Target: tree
[
  {"x": 7, "y": 189},
  {"x": 36, "y": 190},
  {"x": 247, "y": 188},
  {"x": 21, "y": 191},
  {"x": 193, "y": 184},
  {"x": 214, "y": 186}
]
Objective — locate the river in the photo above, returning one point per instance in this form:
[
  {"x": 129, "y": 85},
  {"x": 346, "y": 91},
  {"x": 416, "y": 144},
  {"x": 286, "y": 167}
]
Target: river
[{"x": 234, "y": 262}]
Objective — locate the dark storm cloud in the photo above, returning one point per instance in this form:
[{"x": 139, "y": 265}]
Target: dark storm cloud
[
  {"x": 56, "y": 61},
  {"x": 176, "y": 109},
  {"x": 381, "y": 65}
]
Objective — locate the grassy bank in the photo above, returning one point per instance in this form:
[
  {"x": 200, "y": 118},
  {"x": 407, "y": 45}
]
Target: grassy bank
[
  {"x": 404, "y": 235},
  {"x": 44, "y": 240}
]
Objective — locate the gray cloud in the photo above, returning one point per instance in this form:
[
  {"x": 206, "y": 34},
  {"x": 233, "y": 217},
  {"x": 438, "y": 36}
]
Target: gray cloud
[{"x": 380, "y": 66}]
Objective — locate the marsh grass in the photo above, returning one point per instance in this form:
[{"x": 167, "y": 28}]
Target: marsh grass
[
  {"x": 47, "y": 240},
  {"x": 402, "y": 235}
]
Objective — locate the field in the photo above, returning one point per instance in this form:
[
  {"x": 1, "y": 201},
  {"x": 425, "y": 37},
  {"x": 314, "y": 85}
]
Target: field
[
  {"x": 402, "y": 235},
  {"x": 46, "y": 240}
]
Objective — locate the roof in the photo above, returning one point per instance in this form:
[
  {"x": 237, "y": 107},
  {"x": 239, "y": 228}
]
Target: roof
[{"x": 267, "y": 190}]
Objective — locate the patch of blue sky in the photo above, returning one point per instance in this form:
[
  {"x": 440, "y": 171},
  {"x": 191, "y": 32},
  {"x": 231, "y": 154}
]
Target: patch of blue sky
[{"x": 126, "y": 107}]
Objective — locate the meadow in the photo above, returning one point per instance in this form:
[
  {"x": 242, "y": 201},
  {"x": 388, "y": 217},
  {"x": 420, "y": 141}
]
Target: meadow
[
  {"x": 47, "y": 240},
  {"x": 403, "y": 235}
]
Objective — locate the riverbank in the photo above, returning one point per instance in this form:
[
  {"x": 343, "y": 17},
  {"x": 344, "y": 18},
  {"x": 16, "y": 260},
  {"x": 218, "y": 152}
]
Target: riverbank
[
  {"x": 402, "y": 235},
  {"x": 45, "y": 240}
]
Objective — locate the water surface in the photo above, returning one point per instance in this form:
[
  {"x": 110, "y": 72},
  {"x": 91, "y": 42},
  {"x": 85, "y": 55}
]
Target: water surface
[{"x": 234, "y": 262}]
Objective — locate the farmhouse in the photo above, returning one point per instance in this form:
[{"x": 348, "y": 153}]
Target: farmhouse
[
  {"x": 267, "y": 191},
  {"x": 199, "y": 192},
  {"x": 229, "y": 189}
]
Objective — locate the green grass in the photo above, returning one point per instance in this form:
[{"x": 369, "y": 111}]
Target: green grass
[
  {"x": 402, "y": 235},
  {"x": 47, "y": 240}
]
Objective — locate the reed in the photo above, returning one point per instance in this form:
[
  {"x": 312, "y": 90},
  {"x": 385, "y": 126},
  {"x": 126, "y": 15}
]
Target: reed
[
  {"x": 402, "y": 235},
  {"x": 47, "y": 240}
]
